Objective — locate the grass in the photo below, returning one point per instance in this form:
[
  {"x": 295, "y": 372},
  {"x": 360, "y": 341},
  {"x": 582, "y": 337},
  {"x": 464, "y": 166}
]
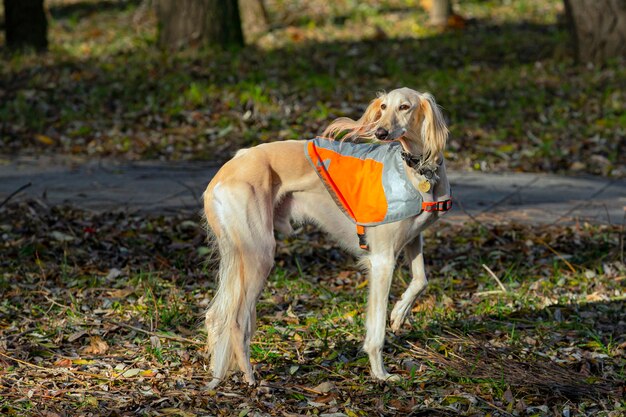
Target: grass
[
  {"x": 71, "y": 280},
  {"x": 514, "y": 99}
]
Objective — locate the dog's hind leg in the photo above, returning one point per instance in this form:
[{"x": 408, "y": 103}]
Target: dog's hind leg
[
  {"x": 415, "y": 255},
  {"x": 246, "y": 248},
  {"x": 380, "y": 274}
]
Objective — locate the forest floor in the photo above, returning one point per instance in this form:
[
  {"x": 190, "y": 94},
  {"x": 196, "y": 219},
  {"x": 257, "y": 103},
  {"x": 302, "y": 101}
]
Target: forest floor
[{"x": 101, "y": 313}]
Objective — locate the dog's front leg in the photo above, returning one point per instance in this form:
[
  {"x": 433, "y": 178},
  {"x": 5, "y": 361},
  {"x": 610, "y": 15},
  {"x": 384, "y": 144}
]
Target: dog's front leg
[
  {"x": 415, "y": 256},
  {"x": 380, "y": 274}
]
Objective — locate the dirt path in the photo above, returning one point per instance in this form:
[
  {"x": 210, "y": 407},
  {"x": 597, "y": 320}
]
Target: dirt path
[{"x": 166, "y": 187}]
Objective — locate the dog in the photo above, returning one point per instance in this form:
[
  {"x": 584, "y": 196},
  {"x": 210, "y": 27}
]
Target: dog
[{"x": 270, "y": 186}]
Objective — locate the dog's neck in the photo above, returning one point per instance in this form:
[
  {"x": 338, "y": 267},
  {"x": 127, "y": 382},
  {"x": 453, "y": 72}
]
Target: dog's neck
[
  {"x": 410, "y": 146},
  {"x": 414, "y": 159}
]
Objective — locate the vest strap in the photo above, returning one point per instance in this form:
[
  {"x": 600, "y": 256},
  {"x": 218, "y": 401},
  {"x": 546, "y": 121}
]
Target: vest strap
[
  {"x": 360, "y": 231},
  {"x": 431, "y": 206}
]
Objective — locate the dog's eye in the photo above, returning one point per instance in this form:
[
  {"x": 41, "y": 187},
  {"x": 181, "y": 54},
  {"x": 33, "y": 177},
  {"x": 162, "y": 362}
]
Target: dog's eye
[
  {"x": 404, "y": 107},
  {"x": 383, "y": 106}
]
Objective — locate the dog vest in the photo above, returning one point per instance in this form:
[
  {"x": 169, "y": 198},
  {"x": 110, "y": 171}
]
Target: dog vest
[{"x": 369, "y": 182}]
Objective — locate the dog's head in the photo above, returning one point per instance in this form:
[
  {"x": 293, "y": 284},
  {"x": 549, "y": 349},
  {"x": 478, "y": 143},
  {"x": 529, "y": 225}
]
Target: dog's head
[{"x": 402, "y": 114}]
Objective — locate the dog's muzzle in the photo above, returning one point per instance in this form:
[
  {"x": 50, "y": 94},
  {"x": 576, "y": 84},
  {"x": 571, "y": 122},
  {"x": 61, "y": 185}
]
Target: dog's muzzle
[{"x": 383, "y": 134}]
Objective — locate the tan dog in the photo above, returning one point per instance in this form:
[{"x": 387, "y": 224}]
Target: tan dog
[{"x": 264, "y": 188}]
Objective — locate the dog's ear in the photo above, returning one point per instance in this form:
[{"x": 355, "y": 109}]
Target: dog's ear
[
  {"x": 345, "y": 128},
  {"x": 434, "y": 129},
  {"x": 372, "y": 113}
]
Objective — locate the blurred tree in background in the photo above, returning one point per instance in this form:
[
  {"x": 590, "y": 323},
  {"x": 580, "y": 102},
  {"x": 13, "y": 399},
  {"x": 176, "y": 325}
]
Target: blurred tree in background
[
  {"x": 184, "y": 23},
  {"x": 25, "y": 24},
  {"x": 254, "y": 19},
  {"x": 439, "y": 11},
  {"x": 598, "y": 28},
  {"x": 441, "y": 14},
  {"x": 515, "y": 99}
]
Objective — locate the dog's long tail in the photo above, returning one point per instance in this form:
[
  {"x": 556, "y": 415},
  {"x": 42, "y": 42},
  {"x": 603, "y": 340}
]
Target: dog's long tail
[
  {"x": 246, "y": 244},
  {"x": 223, "y": 307}
]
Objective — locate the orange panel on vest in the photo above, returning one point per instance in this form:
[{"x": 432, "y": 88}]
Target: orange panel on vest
[
  {"x": 356, "y": 183},
  {"x": 370, "y": 182}
]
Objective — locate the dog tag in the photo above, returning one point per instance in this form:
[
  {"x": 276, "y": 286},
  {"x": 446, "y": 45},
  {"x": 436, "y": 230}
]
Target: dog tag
[{"x": 424, "y": 186}]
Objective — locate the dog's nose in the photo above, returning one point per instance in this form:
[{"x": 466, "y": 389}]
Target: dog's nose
[{"x": 381, "y": 133}]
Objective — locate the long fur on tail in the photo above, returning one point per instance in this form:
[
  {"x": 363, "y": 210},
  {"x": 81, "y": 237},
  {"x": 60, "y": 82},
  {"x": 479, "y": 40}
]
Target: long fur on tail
[
  {"x": 222, "y": 312},
  {"x": 246, "y": 248}
]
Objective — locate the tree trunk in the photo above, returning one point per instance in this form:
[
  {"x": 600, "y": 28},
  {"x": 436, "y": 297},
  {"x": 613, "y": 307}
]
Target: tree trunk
[
  {"x": 440, "y": 11},
  {"x": 25, "y": 24},
  {"x": 254, "y": 19},
  {"x": 184, "y": 23},
  {"x": 598, "y": 28},
  {"x": 223, "y": 23}
]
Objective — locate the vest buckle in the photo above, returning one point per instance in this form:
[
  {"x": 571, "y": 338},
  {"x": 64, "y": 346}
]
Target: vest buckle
[{"x": 444, "y": 205}]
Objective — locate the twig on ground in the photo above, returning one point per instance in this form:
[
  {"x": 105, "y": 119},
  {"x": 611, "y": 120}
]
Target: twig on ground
[
  {"x": 32, "y": 365},
  {"x": 294, "y": 389},
  {"x": 14, "y": 193},
  {"x": 492, "y": 405},
  {"x": 484, "y": 361},
  {"x": 495, "y": 277},
  {"x": 333, "y": 372},
  {"x": 569, "y": 265},
  {"x": 54, "y": 303},
  {"x": 66, "y": 371},
  {"x": 484, "y": 293},
  {"x": 157, "y": 334},
  {"x": 621, "y": 237}
]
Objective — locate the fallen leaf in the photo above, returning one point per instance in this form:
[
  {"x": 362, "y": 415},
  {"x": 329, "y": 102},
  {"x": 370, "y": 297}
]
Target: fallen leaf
[
  {"x": 61, "y": 237},
  {"x": 82, "y": 362},
  {"x": 324, "y": 399},
  {"x": 63, "y": 363},
  {"x": 324, "y": 387},
  {"x": 155, "y": 342},
  {"x": 113, "y": 273},
  {"x": 97, "y": 346},
  {"x": 76, "y": 335},
  {"x": 46, "y": 140},
  {"x": 508, "y": 396},
  {"x": 129, "y": 373}
]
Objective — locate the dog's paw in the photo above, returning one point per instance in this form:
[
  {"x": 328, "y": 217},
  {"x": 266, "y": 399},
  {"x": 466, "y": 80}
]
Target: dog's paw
[
  {"x": 396, "y": 324},
  {"x": 214, "y": 383},
  {"x": 387, "y": 377},
  {"x": 393, "y": 378},
  {"x": 395, "y": 327},
  {"x": 398, "y": 317}
]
